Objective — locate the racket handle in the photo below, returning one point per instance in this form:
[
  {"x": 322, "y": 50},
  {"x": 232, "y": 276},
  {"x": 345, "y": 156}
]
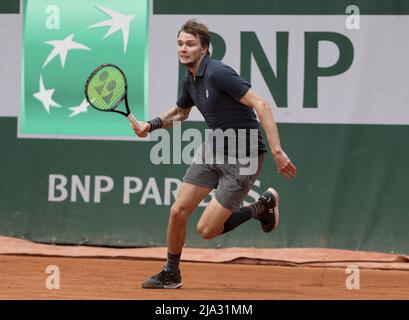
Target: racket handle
[{"x": 133, "y": 120}]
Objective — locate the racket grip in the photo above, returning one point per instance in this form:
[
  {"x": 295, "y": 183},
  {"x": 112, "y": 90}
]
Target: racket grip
[{"x": 133, "y": 120}]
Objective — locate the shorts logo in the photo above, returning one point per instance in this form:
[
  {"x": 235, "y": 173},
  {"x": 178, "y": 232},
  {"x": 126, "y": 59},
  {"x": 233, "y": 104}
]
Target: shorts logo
[
  {"x": 60, "y": 55},
  {"x": 207, "y": 93}
]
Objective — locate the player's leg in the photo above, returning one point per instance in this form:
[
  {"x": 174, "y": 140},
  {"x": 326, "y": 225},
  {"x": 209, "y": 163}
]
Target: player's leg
[
  {"x": 217, "y": 220},
  {"x": 198, "y": 181},
  {"x": 188, "y": 198},
  {"x": 230, "y": 193},
  {"x": 211, "y": 223}
]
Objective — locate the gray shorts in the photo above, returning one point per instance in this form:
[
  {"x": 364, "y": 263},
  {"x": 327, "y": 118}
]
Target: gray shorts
[{"x": 231, "y": 186}]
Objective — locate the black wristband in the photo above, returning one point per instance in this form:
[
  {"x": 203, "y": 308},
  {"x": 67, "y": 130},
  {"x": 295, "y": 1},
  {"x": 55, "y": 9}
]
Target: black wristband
[{"x": 155, "y": 124}]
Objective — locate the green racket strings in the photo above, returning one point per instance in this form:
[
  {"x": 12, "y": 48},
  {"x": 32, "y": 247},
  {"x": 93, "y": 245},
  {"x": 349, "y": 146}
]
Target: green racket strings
[{"x": 106, "y": 88}]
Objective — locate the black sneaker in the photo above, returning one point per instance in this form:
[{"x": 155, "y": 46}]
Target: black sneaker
[
  {"x": 269, "y": 216},
  {"x": 165, "y": 279}
]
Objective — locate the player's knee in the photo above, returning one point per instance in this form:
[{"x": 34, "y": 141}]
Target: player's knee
[
  {"x": 206, "y": 232},
  {"x": 178, "y": 213}
]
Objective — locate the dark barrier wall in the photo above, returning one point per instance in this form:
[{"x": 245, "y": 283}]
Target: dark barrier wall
[{"x": 10, "y": 6}]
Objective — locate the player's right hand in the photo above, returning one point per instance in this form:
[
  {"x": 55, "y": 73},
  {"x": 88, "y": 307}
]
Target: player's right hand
[
  {"x": 142, "y": 130},
  {"x": 284, "y": 165}
]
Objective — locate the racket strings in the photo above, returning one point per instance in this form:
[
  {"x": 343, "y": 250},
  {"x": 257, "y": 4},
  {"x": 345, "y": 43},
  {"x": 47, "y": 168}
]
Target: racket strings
[{"x": 106, "y": 88}]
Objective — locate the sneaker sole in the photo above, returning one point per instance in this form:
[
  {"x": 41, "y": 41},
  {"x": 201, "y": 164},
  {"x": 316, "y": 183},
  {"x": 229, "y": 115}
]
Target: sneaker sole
[
  {"x": 276, "y": 212},
  {"x": 173, "y": 286},
  {"x": 170, "y": 286}
]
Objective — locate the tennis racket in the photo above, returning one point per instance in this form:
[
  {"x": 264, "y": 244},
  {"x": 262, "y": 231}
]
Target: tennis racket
[{"x": 106, "y": 88}]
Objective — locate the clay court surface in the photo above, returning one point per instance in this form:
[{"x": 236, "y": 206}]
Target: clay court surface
[
  {"x": 24, "y": 277},
  {"x": 88, "y": 272}
]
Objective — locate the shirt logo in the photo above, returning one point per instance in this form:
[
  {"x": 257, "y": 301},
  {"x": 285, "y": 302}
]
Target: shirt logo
[{"x": 207, "y": 93}]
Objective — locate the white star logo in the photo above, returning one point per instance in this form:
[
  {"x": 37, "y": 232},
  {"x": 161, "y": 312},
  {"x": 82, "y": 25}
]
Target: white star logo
[
  {"x": 83, "y": 107},
  {"x": 118, "y": 22},
  {"x": 61, "y": 48},
  {"x": 45, "y": 97}
]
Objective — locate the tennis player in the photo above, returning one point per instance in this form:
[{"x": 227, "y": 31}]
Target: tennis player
[{"x": 226, "y": 101}]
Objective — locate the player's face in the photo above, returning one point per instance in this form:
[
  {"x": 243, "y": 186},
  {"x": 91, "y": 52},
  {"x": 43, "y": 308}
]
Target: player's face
[{"x": 190, "y": 49}]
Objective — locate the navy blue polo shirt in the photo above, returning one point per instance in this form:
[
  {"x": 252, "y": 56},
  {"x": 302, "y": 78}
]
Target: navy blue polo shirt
[{"x": 216, "y": 91}]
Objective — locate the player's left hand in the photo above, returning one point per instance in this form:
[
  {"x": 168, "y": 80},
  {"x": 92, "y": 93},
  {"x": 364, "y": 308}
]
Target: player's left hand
[{"x": 284, "y": 165}]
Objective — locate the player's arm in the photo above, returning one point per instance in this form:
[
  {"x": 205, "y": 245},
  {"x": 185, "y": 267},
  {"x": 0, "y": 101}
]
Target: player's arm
[
  {"x": 265, "y": 115},
  {"x": 174, "y": 114},
  {"x": 166, "y": 120}
]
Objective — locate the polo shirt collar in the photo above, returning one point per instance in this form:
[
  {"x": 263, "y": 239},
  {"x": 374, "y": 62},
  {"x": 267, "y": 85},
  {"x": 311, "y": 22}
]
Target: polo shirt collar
[{"x": 202, "y": 67}]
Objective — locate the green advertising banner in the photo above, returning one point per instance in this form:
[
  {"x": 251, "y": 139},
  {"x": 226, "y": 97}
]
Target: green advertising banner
[{"x": 63, "y": 43}]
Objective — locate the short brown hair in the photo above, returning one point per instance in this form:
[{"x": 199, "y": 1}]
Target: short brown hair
[{"x": 198, "y": 30}]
